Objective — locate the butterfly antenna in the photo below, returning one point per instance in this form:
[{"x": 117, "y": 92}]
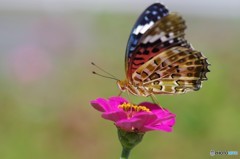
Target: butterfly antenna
[
  {"x": 113, "y": 77},
  {"x": 95, "y": 73}
]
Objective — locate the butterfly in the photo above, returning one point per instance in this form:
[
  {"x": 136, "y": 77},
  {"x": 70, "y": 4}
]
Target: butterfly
[{"x": 158, "y": 59}]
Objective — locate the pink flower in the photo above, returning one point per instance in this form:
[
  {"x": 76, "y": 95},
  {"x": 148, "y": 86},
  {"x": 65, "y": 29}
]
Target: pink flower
[{"x": 135, "y": 118}]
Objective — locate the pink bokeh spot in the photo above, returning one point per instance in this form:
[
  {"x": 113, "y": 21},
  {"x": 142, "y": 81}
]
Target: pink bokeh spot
[
  {"x": 156, "y": 118},
  {"x": 30, "y": 63}
]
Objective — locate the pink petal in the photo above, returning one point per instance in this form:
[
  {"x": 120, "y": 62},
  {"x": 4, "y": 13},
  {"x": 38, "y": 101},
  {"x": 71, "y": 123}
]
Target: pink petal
[
  {"x": 170, "y": 122},
  {"x": 104, "y": 105},
  {"x": 151, "y": 106},
  {"x": 137, "y": 122},
  {"x": 115, "y": 116},
  {"x": 116, "y": 101},
  {"x": 167, "y": 120},
  {"x": 129, "y": 124},
  {"x": 146, "y": 117},
  {"x": 100, "y": 104},
  {"x": 163, "y": 124},
  {"x": 163, "y": 112}
]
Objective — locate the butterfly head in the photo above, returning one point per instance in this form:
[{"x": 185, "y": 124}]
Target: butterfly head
[{"x": 122, "y": 85}]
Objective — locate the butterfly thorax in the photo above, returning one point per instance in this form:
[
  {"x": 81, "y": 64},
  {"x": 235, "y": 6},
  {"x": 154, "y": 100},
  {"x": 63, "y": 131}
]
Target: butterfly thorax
[{"x": 135, "y": 89}]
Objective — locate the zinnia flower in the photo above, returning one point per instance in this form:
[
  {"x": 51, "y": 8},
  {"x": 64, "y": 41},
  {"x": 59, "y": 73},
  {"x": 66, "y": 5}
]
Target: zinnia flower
[{"x": 139, "y": 118}]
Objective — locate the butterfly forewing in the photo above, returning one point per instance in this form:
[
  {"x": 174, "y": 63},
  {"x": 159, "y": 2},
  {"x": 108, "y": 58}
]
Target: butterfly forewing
[
  {"x": 166, "y": 33},
  {"x": 145, "y": 21},
  {"x": 167, "y": 28}
]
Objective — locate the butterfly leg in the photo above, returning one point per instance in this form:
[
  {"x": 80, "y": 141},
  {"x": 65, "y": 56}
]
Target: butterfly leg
[
  {"x": 128, "y": 97},
  {"x": 120, "y": 93},
  {"x": 155, "y": 100}
]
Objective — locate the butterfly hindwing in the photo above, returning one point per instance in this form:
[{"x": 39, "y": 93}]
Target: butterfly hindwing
[{"x": 176, "y": 70}]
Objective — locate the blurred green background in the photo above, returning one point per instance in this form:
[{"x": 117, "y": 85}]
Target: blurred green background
[{"x": 46, "y": 83}]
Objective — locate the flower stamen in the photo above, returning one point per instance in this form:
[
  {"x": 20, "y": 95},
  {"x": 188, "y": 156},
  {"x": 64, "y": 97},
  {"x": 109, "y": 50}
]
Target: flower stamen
[{"x": 133, "y": 108}]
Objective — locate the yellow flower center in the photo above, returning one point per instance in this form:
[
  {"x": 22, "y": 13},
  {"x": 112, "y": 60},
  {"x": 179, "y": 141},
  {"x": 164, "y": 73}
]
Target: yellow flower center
[{"x": 128, "y": 107}]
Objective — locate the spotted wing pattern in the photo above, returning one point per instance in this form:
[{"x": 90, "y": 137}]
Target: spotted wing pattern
[
  {"x": 158, "y": 58},
  {"x": 146, "y": 20},
  {"x": 174, "y": 71},
  {"x": 166, "y": 33}
]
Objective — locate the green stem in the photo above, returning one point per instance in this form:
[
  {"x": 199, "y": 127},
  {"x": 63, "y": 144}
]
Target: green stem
[{"x": 125, "y": 153}]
